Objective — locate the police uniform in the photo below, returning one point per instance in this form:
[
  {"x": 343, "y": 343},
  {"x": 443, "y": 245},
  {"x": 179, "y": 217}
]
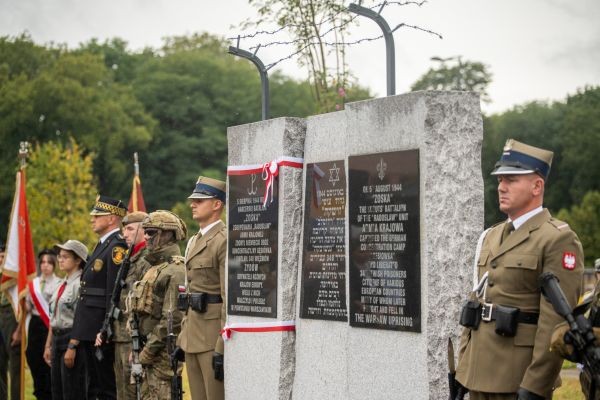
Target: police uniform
[
  {"x": 67, "y": 383},
  {"x": 200, "y": 333},
  {"x": 154, "y": 302},
  {"x": 498, "y": 364},
  {"x": 97, "y": 283},
  {"x": 122, "y": 338}
]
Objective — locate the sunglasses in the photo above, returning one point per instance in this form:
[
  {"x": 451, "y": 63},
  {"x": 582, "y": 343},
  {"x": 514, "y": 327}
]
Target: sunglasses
[{"x": 150, "y": 232}]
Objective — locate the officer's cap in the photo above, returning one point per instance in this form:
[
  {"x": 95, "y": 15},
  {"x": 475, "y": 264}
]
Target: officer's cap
[
  {"x": 519, "y": 159},
  {"x": 132, "y": 217},
  {"x": 597, "y": 265},
  {"x": 208, "y": 188},
  {"x": 106, "y": 206},
  {"x": 75, "y": 246}
]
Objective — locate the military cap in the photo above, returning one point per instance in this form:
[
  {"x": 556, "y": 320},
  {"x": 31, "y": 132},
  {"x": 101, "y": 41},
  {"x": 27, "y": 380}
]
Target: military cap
[
  {"x": 75, "y": 246},
  {"x": 519, "y": 158},
  {"x": 208, "y": 188},
  {"x": 106, "y": 206},
  {"x": 135, "y": 216},
  {"x": 597, "y": 265}
]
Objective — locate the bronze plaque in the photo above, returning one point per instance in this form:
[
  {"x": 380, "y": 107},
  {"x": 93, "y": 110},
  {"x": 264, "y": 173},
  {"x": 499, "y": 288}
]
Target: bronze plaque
[
  {"x": 323, "y": 286},
  {"x": 252, "y": 247},
  {"x": 385, "y": 270}
]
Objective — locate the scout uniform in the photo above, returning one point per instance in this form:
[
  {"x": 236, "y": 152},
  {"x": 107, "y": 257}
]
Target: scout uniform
[
  {"x": 154, "y": 301},
  {"x": 97, "y": 283},
  {"x": 10, "y": 357},
  {"x": 494, "y": 361},
  {"x": 200, "y": 331},
  {"x": 122, "y": 338},
  {"x": 67, "y": 383}
]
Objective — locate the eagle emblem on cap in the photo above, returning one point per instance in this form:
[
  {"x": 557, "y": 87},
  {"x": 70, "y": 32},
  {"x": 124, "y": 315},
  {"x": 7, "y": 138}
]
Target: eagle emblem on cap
[{"x": 508, "y": 145}]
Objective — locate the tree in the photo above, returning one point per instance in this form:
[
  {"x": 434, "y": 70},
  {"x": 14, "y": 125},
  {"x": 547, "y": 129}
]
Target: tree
[
  {"x": 455, "y": 74},
  {"x": 584, "y": 219},
  {"x": 61, "y": 192}
]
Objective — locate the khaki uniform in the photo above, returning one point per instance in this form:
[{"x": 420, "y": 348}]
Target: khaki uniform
[
  {"x": 122, "y": 338},
  {"x": 491, "y": 363},
  {"x": 153, "y": 298},
  {"x": 200, "y": 332}
]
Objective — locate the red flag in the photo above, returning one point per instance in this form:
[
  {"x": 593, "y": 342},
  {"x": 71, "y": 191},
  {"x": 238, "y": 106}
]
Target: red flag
[
  {"x": 19, "y": 264},
  {"x": 136, "y": 201}
]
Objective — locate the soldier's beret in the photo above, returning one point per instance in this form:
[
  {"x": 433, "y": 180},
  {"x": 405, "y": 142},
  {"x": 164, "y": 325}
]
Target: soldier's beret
[
  {"x": 106, "y": 206},
  {"x": 132, "y": 217},
  {"x": 519, "y": 158},
  {"x": 208, "y": 188}
]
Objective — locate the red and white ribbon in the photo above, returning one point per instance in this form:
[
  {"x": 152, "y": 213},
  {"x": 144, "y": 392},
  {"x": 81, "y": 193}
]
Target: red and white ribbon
[
  {"x": 40, "y": 303},
  {"x": 255, "y": 327},
  {"x": 269, "y": 171}
]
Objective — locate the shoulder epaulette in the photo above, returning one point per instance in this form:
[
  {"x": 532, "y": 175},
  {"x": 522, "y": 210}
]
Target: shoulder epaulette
[{"x": 560, "y": 225}]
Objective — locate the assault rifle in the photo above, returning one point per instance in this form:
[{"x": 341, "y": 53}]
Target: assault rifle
[
  {"x": 176, "y": 384},
  {"x": 136, "y": 349},
  {"x": 580, "y": 334}
]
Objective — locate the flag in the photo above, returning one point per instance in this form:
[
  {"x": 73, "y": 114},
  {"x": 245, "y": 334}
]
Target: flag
[
  {"x": 136, "y": 201},
  {"x": 19, "y": 263}
]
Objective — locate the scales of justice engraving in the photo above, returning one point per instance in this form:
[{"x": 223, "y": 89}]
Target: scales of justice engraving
[{"x": 381, "y": 168}]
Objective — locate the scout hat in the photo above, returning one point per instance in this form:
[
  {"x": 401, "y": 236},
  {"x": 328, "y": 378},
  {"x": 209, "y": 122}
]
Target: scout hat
[
  {"x": 107, "y": 206},
  {"x": 135, "y": 216},
  {"x": 208, "y": 188},
  {"x": 519, "y": 158},
  {"x": 75, "y": 246},
  {"x": 597, "y": 265}
]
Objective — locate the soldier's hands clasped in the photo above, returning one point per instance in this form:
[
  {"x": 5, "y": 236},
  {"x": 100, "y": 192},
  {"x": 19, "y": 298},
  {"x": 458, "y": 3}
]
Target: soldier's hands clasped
[
  {"x": 178, "y": 355},
  {"x": 218, "y": 366}
]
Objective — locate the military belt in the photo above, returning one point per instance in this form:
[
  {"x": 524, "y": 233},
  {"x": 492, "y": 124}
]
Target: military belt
[
  {"x": 488, "y": 313},
  {"x": 209, "y": 298},
  {"x": 92, "y": 291}
]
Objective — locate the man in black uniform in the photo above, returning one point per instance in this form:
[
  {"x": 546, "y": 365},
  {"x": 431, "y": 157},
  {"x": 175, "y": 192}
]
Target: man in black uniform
[{"x": 97, "y": 283}]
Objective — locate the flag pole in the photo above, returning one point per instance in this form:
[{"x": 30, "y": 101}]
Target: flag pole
[{"x": 23, "y": 154}]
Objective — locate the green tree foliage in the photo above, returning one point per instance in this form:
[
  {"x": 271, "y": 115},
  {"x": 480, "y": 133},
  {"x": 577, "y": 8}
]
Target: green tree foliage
[
  {"x": 584, "y": 219},
  {"x": 455, "y": 74},
  {"x": 60, "y": 193}
]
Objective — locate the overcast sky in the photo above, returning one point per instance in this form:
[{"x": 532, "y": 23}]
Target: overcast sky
[{"x": 536, "y": 49}]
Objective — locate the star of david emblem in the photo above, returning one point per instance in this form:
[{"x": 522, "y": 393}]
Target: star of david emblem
[
  {"x": 381, "y": 168},
  {"x": 334, "y": 174}
]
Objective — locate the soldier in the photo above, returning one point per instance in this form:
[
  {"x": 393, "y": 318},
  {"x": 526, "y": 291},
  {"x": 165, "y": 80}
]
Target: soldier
[
  {"x": 205, "y": 317},
  {"x": 508, "y": 324},
  {"x": 155, "y": 297},
  {"x": 97, "y": 283},
  {"x": 134, "y": 235}
]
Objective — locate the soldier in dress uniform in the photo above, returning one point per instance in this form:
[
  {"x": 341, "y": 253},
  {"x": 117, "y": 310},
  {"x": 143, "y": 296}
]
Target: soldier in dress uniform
[
  {"x": 154, "y": 300},
  {"x": 134, "y": 235},
  {"x": 504, "y": 350},
  {"x": 97, "y": 283},
  {"x": 205, "y": 315}
]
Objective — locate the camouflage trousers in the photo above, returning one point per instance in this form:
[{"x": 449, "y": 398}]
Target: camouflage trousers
[
  {"x": 125, "y": 388},
  {"x": 157, "y": 380}
]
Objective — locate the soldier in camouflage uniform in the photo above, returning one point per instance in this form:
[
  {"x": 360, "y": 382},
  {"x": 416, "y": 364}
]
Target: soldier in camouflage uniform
[
  {"x": 155, "y": 296},
  {"x": 134, "y": 235}
]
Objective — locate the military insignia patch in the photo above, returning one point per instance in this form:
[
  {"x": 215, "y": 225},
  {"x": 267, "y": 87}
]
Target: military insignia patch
[
  {"x": 118, "y": 254},
  {"x": 98, "y": 264},
  {"x": 569, "y": 261}
]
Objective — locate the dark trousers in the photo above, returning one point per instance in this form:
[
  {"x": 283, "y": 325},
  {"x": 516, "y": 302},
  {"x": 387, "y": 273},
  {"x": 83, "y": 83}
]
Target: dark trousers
[
  {"x": 67, "y": 383},
  {"x": 10, "y": 357},
  {"x": 40, "y": 371},
  {"x": 101, "y": 373}
]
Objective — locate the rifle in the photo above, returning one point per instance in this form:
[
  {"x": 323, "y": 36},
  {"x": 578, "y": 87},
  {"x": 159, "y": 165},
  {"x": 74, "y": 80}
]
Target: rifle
[
  {"x": 580, "y": 334},
  {"x": 114, "y": 312},
  {"x": 176, "y": 384},
  {"x": 136, "y": 348}
]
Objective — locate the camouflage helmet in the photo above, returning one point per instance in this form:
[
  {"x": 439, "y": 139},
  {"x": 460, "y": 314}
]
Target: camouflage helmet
[{"x": 166, "y": 221}]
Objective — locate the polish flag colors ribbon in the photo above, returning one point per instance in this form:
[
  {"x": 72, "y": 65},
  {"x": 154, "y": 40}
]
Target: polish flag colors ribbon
[
  {"x": 40, "y": 303},
  {"x": 256, "y": 327},
  {"x": 269, "y": 171}
]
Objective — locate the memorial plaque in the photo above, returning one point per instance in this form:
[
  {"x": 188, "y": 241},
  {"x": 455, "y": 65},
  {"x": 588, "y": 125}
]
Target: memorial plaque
[
  {"x": 385, "y": 270},
  {"x": 323, "y": 286},
  {"x": 252, "y": 247}
]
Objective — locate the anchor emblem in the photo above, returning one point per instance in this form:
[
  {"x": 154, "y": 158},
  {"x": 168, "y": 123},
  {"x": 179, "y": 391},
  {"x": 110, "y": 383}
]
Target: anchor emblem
[
  {"x": 252, "y": 190},
  {"x": 381, "y": 168}
]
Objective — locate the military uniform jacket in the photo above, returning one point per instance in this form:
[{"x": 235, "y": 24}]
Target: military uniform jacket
[
  {"x": 205, "y": 265},
  {"x": 97, "y": 283},
  {"x": 492, "y": 363},
  {"x": 137, "y": 269}
]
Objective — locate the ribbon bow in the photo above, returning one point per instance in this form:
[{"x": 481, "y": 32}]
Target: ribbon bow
[{"x": 269, "y": 172}]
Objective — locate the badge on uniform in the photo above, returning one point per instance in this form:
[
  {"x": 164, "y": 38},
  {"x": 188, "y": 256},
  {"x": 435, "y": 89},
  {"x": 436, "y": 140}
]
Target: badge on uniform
[
  {"x": 569, "y": 261},
  {"x": 98, "y": 264},
  {"x": 118, "y": 254}
]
